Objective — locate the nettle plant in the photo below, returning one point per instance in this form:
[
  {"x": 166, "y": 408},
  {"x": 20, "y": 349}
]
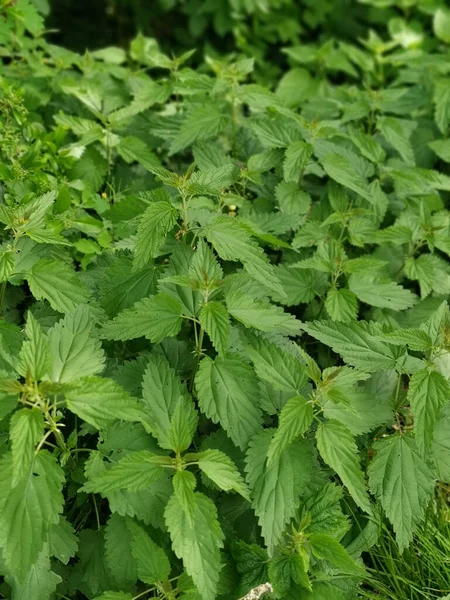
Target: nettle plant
[{"x": 224, "y": 349}]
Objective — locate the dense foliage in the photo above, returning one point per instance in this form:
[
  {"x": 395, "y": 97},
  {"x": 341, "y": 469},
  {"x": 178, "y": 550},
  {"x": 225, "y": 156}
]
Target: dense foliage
[{"x": 224, "y": 343}]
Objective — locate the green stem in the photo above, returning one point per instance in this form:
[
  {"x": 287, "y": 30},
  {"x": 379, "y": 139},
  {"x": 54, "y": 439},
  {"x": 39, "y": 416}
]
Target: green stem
[
  {"x": 53, "y": 427},
  {"x": 185, "y": 208},
  {"x": 198, "y": 353},
  {"x": 152, "y": 589},
  {"x": 195, "y": 334},
  {"x": 96, "y": 512},
  {"x": 397, "y": 390},
  {"x": 43, "y": 440}
]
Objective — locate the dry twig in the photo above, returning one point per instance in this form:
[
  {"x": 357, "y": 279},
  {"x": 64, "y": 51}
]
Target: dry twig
[{"x": 256, "y": 593}]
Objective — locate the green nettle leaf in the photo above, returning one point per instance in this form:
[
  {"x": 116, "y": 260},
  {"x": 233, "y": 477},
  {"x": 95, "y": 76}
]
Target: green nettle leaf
[
  {"x": 133, "y": 149},
  {"x": 155, "y": 318},
  {"x": 414, "y": 181},
  {"x": 11, "y": 340},
  {"x": 442, "y": 149},
  {"x": 291, "y": 199},
  {"x": 91, "y": 167},
  {"x": 134, "y": 472},
  {"x": 78, "y": 125},
  {"x": 416, "y": 339},
  {"x": 423, "y": 270},
  {"x": 232, "y": 242},
  {"x": 397, "y": 132},
  {"x": 298, "y": 285},
  {"x": 151, "y": 560},
  {"x": 377, "y": 293},
  {"x": 202, "y": 123},
  {"x": 125, "y": 287},
  {"x": 298, "y": 572},
  {"x": 276, "y": 489},
  {"x": 338, "y": 449},
  {"x": 204, "y": 265},
  {"x": 295, "y": 419},
  {"x": 251, "y": 562},
  {"x": 39, "y": 583},
  {"x": 183, "y": 425},
  {"x": 184, "y": 484},
  {"x": 74, "y": 350},
  {"x": 441, "y": 447},
  {"x": 357, "y": 343},
  {"x": 215, "y": 320},
  {"x": 169, "y": 410},
  {"x": 279, "y": 573},
  {"x": 145, "y": 504},
  {"x": 34, "y": 355},
  {"x": 99, "y": 401},
  {"x": 279, "y": 368},
  {"x": 26, "y": 429},
  {"x": 358, "y": 410},
  {"x": 221, "y": 470},
  {"x": 296, "y": 159},
  {"x": 341, "y": 305},
  {"x": 63, "y": 542},
  {"x": 275, "y": 133},
  {"x": 328, "y": 548},
  {"x": 441, "y": 24},
  {"x": 211, "y": 181},
  {"x": 404, "y": 483},
  {"x": 259, "y": 314},
  {"x": 28, "y": 510},
  {"x": 197, "y": 539},
  {"x": 341, "y": 170},
  {"x": 56, "y": 282},
  {"x": 6, "y": 265},
  {"x": 367, "y": 145},
  {"x": 156, "y": 222},
  {"x": 428, "y": 392},
  {"x": 294, "y": 86},
  {"x": 7, "y": 404},
  {"x": 227, "y": 393},
  {"x": 91, "y": 571},
  {"x": 118, "y": 540},
  {"x": 178, "y": 285}
]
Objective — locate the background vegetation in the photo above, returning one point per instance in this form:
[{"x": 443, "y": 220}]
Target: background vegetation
[{"x": 224, "y": 276}]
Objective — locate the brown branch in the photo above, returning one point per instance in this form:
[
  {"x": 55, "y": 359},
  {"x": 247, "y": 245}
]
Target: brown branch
[{"x": 256, "y": 593}]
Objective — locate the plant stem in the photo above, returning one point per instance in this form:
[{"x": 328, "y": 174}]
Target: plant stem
[
  {"x": 53, "y": 427},
  {"x": 96, "y": 512},
  {"x": 185, "y": 205},
  {"x": 43, "y": 440},
  {"x": 198, "y": 354},
  {"x": 152, "y": 589}
]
